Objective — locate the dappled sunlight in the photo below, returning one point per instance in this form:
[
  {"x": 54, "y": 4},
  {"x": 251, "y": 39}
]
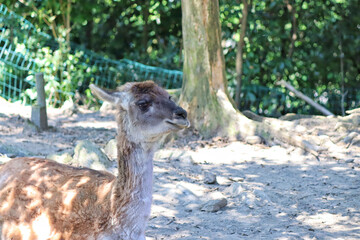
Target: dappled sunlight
[
  {"x": 280, "y": 194},
  {"x": 20, "y": 138},
  {"x": 68, "y": 197},
  {"x": 323, "y": 220},
  {"x": 163, "y": 211},
  {"x": 41, "y": 226},
  {"x": 39, "y": 198}
]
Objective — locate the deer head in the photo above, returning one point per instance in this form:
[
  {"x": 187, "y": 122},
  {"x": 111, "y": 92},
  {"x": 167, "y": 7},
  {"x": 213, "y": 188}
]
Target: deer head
[{"x": 146, "y": 111}]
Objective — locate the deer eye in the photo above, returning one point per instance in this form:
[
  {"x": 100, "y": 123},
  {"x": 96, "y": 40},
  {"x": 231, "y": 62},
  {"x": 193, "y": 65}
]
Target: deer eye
[{"x": 143, "y": 105}]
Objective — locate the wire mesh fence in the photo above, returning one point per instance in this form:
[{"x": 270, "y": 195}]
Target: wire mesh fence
[{"x": 24, "y": 50}]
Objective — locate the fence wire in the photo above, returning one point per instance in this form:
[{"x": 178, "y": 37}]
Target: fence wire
[
  {"x": 24, "y": 50},
  {"x": 21, "y": 42}
]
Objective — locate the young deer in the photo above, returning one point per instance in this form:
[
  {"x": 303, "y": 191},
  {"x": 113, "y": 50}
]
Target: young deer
[{"x": 42, "y": 199}]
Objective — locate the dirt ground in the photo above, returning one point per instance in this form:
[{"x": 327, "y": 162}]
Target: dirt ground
[{"x": 273, "y": 191}]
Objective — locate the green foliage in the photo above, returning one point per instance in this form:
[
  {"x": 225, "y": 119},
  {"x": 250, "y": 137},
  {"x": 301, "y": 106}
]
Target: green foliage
[
  {"x": 314, "y": 65},
  {"x": 150, "y": 32},
  {"x": 67, "y": 67}
]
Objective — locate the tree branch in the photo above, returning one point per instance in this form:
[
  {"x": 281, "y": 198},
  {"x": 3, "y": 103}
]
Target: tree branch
[
  {"x": 305, "y": 98},
  {"x": 239, "y": 53}
]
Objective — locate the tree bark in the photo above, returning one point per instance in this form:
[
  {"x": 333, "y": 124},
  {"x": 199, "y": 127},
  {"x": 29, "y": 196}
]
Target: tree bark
[
  {"x": 204, "y": 90},
  {"x": 145, "y": 12},
  {"x": 239, "y": 53},
  {"x": 204, "y": 93},
  {"x": 343, "y": 93}
]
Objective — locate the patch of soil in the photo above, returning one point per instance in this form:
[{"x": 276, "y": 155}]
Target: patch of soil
[{"x": 271, "y": 192}]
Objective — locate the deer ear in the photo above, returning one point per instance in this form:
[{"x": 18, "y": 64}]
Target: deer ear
[{"x": 116, "y": 98}]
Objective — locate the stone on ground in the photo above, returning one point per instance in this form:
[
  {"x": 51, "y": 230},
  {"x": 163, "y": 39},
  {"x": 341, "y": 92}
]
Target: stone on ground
[
  {"x": 62, "y": 157},
  {"x": 209, "y": 178},
  {"x": 111, "y": 149},
  {"x": 217, "y": 201},
  {"x": 88, "y": 154}
]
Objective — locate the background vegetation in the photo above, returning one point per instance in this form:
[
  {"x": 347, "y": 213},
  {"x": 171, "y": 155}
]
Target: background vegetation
[{"x": 314, "y": 45}]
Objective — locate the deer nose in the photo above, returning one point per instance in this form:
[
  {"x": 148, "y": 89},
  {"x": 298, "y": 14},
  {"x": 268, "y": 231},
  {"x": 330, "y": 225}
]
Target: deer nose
[{"x": 180, "y": 113}]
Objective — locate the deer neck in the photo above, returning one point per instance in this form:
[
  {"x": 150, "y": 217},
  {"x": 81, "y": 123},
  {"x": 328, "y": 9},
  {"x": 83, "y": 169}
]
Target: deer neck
[
  {"x": 135, "y": 163},
  {"x": 132, "y": 190}
]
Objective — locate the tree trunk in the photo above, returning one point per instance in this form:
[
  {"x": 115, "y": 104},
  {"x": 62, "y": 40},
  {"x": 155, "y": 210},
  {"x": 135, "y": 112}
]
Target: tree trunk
[
  {"x": 68, "y": 29},
  {"x": 239, "y": 53},
  {"x": 204, "y": 93},
  {"x": 145, "y": 12},
  {"x": 204, "y": 90}
]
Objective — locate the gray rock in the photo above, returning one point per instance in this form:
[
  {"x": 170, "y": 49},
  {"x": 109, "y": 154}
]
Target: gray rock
[
  {"x": 209, "y": 178},
  {"x": 4, "y": 159},
  {"x": 13, "y": 151},
  {"x": 30, "y": 127},
  {"x": 111, "y": 149},
  {"x": 186, "y": 160},
  {"x": 214, "y": 205},
  {"x": 215, "y": 202},
  {"x": 106, "y": 106},
  {"x": 62, "y": 157},
  {"x": 223, "y": 181},
  {"x": 342, "y": 126},
  {"x": 88, "y": 154},
  {"x": 255, "y": 198},
  {"x": 350, "y": 137},
  {"x": 235, "y": 189},
  {"x": 356, "y": 141},
  {"x": 253, "y": 140},
  {"x": 69, "y": 106},
  {"x": 349, "y": 160}
]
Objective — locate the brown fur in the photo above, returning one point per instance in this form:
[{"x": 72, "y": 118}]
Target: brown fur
[
  {"x": 39, "y": 190},
  {"x": 147, "y": 87},
  {"x": 41, "y": 198}
]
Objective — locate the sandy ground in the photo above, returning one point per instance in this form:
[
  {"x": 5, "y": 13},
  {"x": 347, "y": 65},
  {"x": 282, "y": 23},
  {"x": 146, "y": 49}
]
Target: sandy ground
[{"x": 277, "y": 192}]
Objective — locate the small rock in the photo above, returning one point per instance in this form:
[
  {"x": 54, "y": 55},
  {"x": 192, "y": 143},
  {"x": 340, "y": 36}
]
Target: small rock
[
  {"x": 69, "y": 106},
  {"x": 235, "y": 189},
  {"x": 4, "y": 159},
  {"x": 88, "y": 154},
  {"x": 236, "y": 179},
  {"x": 342, "y": 126},
  {"x": 253, "y": 140},
  {"x": 217, "y": 201},
  {"x": 298, "y": 152},
  {"x": 209, "y": 178},
  {"x": 300, "y": 129},
  {"x": 356, "y": 141},
  {"x": 223, "y": 181},
  {"x": 106, "y": 106},
  {"x": 249, "y": 199},
  {"x": 30, "y": 127},
  {"x": 350, "y": 137},
  {"x": 62, "y": 157},
  {"x": 186, "y": 160},
  {"x": 13, "y": 151},
  {"x": 349, "y": 160},
  {"x": 214, "y": 205},
  {"x": 111, "y": 149}
]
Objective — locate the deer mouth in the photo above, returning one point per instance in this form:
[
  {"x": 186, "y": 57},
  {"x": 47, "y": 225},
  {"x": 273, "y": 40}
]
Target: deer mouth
[{"x": 179, "y": 123}]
